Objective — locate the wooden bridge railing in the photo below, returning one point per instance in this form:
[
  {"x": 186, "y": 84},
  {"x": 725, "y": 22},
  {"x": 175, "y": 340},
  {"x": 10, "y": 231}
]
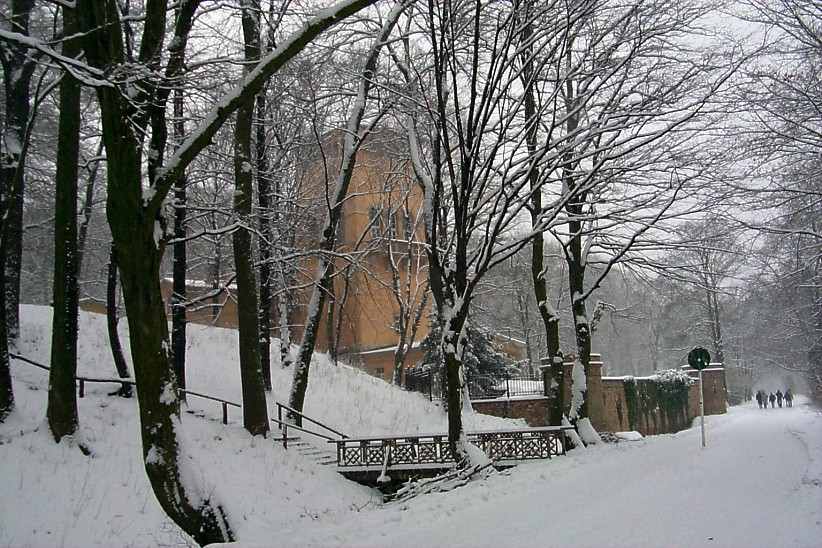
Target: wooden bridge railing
[
  {"x": 81, "y": 381},
  {"x": 432, "y": 450}
]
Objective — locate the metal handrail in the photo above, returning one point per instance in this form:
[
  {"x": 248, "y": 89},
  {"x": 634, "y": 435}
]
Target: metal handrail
[
  {"x": 82, "y": 380},
  {"x": 284, "y": 426},
  {"x": 279, "y": 421},
  {"x": 32, "y": 362}
]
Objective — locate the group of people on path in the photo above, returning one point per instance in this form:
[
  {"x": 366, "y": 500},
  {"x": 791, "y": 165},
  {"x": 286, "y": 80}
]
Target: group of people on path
[{"x": 762, "y": 398}]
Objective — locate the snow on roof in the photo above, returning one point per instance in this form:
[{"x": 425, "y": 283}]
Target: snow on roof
[{"x": 384, "y": 349}]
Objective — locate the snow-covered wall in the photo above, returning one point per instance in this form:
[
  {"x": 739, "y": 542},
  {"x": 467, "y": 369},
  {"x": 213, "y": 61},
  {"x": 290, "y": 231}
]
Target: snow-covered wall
[
  {"x": 648, "y": 415},
  {"x": 613, "y": 406}
]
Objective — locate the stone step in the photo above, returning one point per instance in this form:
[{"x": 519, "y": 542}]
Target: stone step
[{"x": 292, "y": 441}]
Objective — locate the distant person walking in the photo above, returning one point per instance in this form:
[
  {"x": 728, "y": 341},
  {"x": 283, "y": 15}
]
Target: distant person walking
[
  {"x": 788, "y": 398},
  {"x": 779, "y": 398},
  {"x": 772, "y": 399},
  {"x": 759, "y": 398}
]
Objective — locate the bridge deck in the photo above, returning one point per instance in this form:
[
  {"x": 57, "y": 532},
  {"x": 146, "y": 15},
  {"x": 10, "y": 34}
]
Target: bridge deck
[{"x": 423, "y": 454}]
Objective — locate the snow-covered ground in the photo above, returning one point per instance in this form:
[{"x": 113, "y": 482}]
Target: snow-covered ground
[
  {"x": 54, "y": 496},
  {"x": 759, "y": 482}
]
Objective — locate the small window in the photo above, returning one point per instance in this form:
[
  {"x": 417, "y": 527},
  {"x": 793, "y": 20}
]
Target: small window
[{"x": 375, "y": 222}]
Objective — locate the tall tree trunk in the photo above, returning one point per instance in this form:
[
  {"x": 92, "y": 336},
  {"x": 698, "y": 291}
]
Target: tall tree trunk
[
  {"x": 6, "y": 388},
  {"x": 180, "y": 260},
  {"x": 18, "y": 68},
  {"x": 338, "y": 321},
  {"x": 582, "y": 330},
  {"x": 265, "y": 243},
  {"x": 716, "y": 325},
  {"x": 88, "y": 208},
  {"x": 576, "y": 259},
  {"x": 550, "y": 318},
  {"x": 163, "y": 450},
  {"x": 814, "y": 374},
  {"x": 62, "y": 399},
  {"x": 112, "y": 319},
  {"x": 137, "y": 229},
  {"x": 264, "y": 200},
  {"x": 299, "y": 385},
  {"x": 216, "y": 272},
  {"x": 283, "y": 315},
  {"x": 255, "y": 414},
  {"x": 452, "y": 350},
  {"x": 14, "y": 257},
  {"x": 331, "y": 302}
]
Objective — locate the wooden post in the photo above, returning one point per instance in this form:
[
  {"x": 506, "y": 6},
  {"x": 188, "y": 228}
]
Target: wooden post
[
  {"x": 82, "y": 388},
  {"x": 280, "y": 416},
  {"x": 285, "y": 436},
  {"x": 225, "y": 413}
]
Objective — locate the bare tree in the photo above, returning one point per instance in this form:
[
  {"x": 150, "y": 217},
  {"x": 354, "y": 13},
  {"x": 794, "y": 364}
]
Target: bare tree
[
  {"x": 62, "y": 401},
  {"x": 255, "y": 415},
  {"x": 779, "y": 105},
  {"x": 477, "y": 181},
  {"x": 354, "y": 135},
  {"x": 18, "y": 68},
  {"x": 137, "y": 223}
]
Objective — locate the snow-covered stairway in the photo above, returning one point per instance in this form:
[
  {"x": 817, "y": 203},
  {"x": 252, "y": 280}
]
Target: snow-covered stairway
[
  {"x": 325, "y": 457},
  {"x": 321, "y": 434}
]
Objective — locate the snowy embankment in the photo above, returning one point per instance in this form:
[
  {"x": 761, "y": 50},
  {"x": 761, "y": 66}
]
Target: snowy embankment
[
  {"x": 54, "y": 496},
  {"x": 758, "y": 483}
]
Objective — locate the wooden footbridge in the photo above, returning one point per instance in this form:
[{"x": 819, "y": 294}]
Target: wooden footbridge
[{"x": 401, "y": 457}]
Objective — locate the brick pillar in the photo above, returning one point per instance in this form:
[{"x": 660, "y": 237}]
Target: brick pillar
[
  {"x": 545, "y": 372},
  {"x": 593, "y": 381},
  {"x": 594, "y": 400},
  {"x": 567, "y": 385}
]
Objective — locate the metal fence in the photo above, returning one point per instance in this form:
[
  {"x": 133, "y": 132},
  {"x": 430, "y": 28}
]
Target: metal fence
[{"x": 432, "y": 384}]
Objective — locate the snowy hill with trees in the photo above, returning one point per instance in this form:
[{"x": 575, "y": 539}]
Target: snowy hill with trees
[
  {"x": 759, "y": 479},
  {"x": 629, "y": 179},
  {"x": 53, "y": 495}
]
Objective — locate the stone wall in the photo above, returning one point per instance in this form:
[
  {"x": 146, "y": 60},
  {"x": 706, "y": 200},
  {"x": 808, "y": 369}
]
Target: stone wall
[
  {"x": 533, "y": 409},
  {"x": 714, "y": 387},
  {"x": 652, "y": 418},
  {"x": 608, "y": 405}
]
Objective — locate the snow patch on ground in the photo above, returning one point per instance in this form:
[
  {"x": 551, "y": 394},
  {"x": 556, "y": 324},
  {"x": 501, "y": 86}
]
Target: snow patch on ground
[
  {"x": 587, "y": 432},
  {"x": 629, "y": 436}
]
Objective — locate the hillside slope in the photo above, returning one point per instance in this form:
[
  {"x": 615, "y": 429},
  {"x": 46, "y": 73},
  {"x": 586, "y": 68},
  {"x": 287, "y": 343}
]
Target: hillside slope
[{"x": 52, "y": 495}]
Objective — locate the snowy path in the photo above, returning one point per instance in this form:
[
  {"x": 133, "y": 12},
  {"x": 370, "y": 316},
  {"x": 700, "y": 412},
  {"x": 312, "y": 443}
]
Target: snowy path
[{"x": 759, "y": 483}]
